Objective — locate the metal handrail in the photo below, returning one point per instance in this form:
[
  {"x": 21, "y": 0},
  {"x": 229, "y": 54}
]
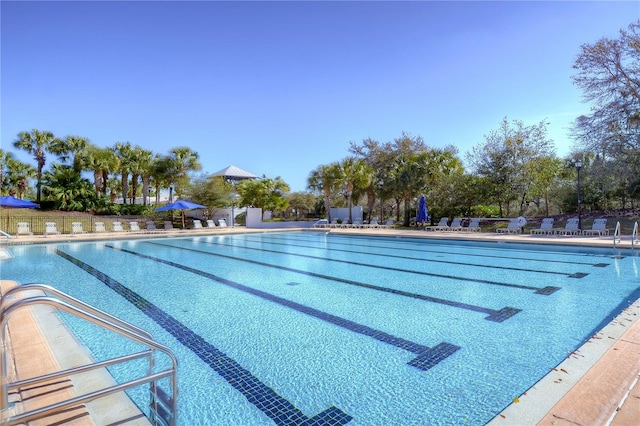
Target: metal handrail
[
  {"x": 6, "y": 234},
  {"x": 616, "y": 234},
  {"x": 94, "y": 316}
]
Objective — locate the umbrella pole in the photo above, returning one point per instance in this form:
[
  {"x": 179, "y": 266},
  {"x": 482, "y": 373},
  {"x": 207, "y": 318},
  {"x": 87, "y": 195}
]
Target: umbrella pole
[{"x": 182, "y": 219}]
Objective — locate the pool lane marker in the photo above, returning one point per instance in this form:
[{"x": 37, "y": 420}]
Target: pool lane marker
[
  {"x": 427, "y": 357},
  {"x": 421, "y": 259},
  {"x": 423, "y": 248},
  {"x": 538, "y": 290},
  {"x": 277, "y": 408},
  {"x": 493, "y": 315}
]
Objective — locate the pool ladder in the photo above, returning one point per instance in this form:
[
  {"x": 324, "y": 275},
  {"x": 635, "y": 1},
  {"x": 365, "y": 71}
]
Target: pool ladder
[
  {"x": 635, "y": 235},
  {"x": 162, "y": 403}
]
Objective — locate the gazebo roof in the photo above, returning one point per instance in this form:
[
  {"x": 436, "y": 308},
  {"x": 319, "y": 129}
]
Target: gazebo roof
[{"x": 234, "y": 173}]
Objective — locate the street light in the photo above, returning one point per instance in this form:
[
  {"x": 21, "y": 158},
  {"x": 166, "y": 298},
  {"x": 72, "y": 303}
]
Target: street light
[{"x": 578, "y": 165}]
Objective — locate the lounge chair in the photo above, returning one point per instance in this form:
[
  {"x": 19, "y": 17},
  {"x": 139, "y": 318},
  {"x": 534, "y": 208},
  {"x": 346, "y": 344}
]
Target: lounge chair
[
  {"x": 117, "y": 227},
  {"x": 372, "y": 224},
  {"x": 356, "y": 224},
  {"x": 23, "y": 229},
  {"x": 570, "y": 228},
  {"x": 334, "y": 223},
  {"x": 134, "y": 227},
  {"x": 546, "y": 227},
  {"x": 222, "y": 223},
  {"x": 151, "y": 226},
  {"x": 99, "y": 227},
  {"x": 389, "y": 223},
  {"x": 599, "y": 227},
  {"x": 513, "y": 227},
  {"x": 441, "y": 226},
  {"x": 50, "y": 228},
  {"x": 211, "y": 223},
  {"x": 197, "y": 224},
  {"x": 473, "y": 226},
  {"x": 168, "y": 225},
  {"x": 76, "y": 228},
  {"x": 456, "y": 224}
]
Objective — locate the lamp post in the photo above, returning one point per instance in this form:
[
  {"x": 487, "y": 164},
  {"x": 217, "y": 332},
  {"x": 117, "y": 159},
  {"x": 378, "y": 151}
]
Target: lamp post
[
  {"x": 578, "y": 165},
  {"x": 380, "y": 183}
]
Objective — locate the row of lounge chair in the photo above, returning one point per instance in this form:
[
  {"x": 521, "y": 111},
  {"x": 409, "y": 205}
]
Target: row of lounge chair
[
  {"x": 599, "y": 228},
  {"x": 456, "y": 225},
  {"x": 344, "y": 223},
  {"x": 51, "y": 228}
]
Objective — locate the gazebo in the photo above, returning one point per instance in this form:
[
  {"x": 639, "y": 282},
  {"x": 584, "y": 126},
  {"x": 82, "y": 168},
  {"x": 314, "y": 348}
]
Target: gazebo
[{"x": 235, "y": 174}]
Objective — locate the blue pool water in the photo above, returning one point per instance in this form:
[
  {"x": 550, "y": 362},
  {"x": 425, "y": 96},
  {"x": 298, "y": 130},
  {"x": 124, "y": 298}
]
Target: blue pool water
[{"x": 307, "y": 328}]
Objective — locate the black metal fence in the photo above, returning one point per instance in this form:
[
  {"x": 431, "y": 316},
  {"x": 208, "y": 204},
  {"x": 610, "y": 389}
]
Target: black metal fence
[{"x": 9, "y": 224}]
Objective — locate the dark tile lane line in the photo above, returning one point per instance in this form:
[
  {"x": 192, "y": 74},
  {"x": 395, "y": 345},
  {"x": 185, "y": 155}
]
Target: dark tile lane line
[
  {"x": 277, "y": 408},
  {"x": 494, "y": 315},
  {"x": 538, "y": 290},
  {"x": 426, "y": 355},
  {"x": 424, "y": 248},
  {"x": 387, "y": 255}
]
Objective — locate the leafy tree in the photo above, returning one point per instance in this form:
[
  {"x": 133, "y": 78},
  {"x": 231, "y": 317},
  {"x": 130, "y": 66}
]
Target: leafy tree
[
  {"x": 301, "y": 202},
  {"x": 608, "y": 72},
  {"x": 265, "y": 193},
  {"x": 36, "y": 143},
  {"x": 210, "y": 191},
  {"x": 504, "y": 160}
]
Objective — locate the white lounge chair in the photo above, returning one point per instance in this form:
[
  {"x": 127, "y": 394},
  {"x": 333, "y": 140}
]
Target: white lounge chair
[
  {"x": 50, "y": 228},
  {"x": 23, "y": 229},
  {"x": 76, "y": 228},
  {"x": 389, "y": 223},
  {"x": 151, "y": 226},
  {"x": 211, "y": 223},
  {"x": 441, "y": 226},
  {"x": 334, "y": 223},
  {"x": 222, "y": 223},
  {"x": 473, "y": 226},
  {"x": 134, "y": 227},
  {"x": 99, "y": 227},
  {"x": 599, "y": 227},
  {"x": 117, "y": 227},
  {"x": 372, "y": 224},
  {"x": 570, "y": 228},
  {"x": 197, "y": 224},
  {"x": 513, "y": 227},
  {"x": 168, "y": 225},
  {"x": 356, "y": 224},
  {"x": 546, "y": 227},
  {"x": 456, "y": 224}
]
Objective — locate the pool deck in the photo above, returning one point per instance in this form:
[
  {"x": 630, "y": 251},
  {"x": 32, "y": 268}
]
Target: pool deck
[{"x": 595, "y": 385}]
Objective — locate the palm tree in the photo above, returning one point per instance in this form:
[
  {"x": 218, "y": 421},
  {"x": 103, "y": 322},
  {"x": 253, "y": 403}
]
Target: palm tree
[
  {"x": 140, "y": 162},
  {"x": 67, "y": 189},
  {"x": 325, "y": 179},
  {"x": 182, "y": 160},
  {"x": 356, "y": 177},
  {"x": 124, "y": 151},
  {"x": 5, "y": 159},
  {"x": 69, "y": 149},
  {"x": 37, "y": 143}
]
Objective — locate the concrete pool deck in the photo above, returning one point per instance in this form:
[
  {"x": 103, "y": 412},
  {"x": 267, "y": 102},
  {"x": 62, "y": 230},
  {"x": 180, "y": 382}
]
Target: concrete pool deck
[{"x": 595, "y": 385}]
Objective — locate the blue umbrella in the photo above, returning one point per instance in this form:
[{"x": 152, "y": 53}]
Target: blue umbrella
[
  {"x": 422, "y": 211},
  {"x": 181, "y": 205},
  {"x": 9, "y": 201}
]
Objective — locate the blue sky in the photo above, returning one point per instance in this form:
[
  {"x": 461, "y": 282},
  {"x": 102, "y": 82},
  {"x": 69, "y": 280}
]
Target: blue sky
[{"x": 278, "y": 88}]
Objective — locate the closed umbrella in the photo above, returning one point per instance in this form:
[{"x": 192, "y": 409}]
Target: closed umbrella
[
  {"x": 421, "y": 218},
  {"x": 181, "y": 205}
]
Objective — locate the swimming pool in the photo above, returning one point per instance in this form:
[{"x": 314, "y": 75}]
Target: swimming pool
[{"x": 294, "y": 327}]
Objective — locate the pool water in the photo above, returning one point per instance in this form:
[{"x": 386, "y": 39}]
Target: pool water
[{"x": 313, "y": 328}]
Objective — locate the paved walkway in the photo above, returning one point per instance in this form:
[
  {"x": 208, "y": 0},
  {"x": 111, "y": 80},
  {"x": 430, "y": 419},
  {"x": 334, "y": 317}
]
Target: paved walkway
[{"x": 596, "y": 385}]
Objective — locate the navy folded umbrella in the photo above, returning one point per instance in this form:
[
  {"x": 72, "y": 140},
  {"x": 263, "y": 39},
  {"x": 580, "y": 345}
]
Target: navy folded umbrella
[
  {"x": 9, "y": 201},
  {"x": 422, "y": 211},
  {"x": 181, "y": 205}
]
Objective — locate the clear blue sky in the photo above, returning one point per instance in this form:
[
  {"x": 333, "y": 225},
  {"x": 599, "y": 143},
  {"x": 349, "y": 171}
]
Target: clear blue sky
[{"x": 278, "y": 88}]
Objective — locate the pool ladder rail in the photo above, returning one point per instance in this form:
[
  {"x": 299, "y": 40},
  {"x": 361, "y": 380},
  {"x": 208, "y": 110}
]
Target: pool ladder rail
[
  {"x": 162, "y": 402},
  {"x": 635, "y": 235}
]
